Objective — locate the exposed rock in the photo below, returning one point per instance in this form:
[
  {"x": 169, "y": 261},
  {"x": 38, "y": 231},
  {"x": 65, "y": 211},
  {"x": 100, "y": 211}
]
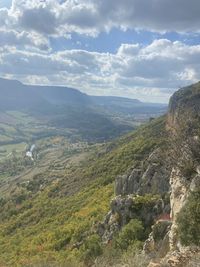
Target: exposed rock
[
  {"x": 180, "y": 258},
  {"x": 152, "y": 177},
  {"x": 184, "y": 111},
  {"x": 177, "y": 199},
  {"x": 128, "y": 184},
  {"x": 183, "y": 122},
  {"x": 183, "y": 125},
  {"x": 123, "y": 209},
  {"x": 154, "y": 264},
  {"x": 195, "y": 183},
  {"x": 176, "y": 170},
  {"x": 189, "y": 257},
  {"x": 157, "y": 245}
]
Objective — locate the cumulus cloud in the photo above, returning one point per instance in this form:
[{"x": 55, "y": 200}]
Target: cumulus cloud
[
  {"x": 155, "y": 70},
  {"x": 3, "y": 16},
  {"x": 157, "y": 15},
  {"x": 23, "y": 39},
  {"x": 53, "y": 17},
  {"x": 28, "y": 27},
  {"x": 38, "y": 19}
]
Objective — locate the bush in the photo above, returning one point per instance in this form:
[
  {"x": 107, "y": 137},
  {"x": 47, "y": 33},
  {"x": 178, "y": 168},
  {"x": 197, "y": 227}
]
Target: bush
[
  {"x": 130, "y": 234},
  {"x": 189, "y": 220},
  {"x": 188, "y": 169},
  {"x": 91, "y": 248},
  {"x": 129, "y": 259}
]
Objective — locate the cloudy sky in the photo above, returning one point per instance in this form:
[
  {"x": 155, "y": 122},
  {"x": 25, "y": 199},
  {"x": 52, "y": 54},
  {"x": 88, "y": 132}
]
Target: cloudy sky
[{"x": 143, "y": 49}]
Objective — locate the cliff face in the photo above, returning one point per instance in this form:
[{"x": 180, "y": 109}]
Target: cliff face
[
  {"x": 183, "y": 125},
  {"x": 184, "y": 110},
  {"x": 173, "y": 169},
  {"x": 152, "y": 177}
]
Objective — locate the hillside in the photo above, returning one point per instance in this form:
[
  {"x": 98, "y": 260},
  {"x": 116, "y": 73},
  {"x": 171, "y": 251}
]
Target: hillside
[
  {"x": 49, "y": 221},
  {"x": 15, "y": 95},
  {"x": 29, "y": 113},
  {"x": 140, "y": 191},
  {"x": 47, "y": 108}
]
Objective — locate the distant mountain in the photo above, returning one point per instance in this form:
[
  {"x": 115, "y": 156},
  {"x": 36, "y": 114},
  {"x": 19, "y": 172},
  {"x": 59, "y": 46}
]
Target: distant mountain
[
  {"x": 64, "y": 109},
  {"x": 114, "y": 100},
  {"x": 15, "y": 95},
  {"x": 92, "y": 117},
  {"x": 127, "y": 105}
]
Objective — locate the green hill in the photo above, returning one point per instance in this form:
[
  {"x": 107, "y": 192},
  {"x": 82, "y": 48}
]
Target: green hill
[
  {"x": 63, "y": 211},
  {"x": 54, "y": 224}
]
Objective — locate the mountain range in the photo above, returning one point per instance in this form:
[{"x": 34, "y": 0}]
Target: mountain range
[
  {"x": 15, "y": 95},
  {"x": 92, "y": 118}
]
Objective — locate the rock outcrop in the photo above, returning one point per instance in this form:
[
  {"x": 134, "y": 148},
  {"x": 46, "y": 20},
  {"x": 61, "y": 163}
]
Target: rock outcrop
[
  {"x": 174, "y": 169},
  {"x": 123, "y": 209},
  {"x": 157, "y": 245},
  {"x": 183, "y": 125},
  {"x": 152, "y": 177},
  {"x": 184, "y": 110}
]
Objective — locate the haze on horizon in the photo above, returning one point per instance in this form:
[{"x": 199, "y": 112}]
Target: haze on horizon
[{"x": 132, "y": 48}]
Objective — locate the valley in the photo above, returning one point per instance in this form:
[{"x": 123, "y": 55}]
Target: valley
[
  {"x": 95, "y": 192},
  {"x": 63, "y": 124},
  {"x": 99, "y": 133}
]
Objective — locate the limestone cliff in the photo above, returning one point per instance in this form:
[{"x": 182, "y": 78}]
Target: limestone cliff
[
  {"x": 174, "y": 169},
  {"x": 183, "y": 124},
  {"x": 151, "y": 177}
]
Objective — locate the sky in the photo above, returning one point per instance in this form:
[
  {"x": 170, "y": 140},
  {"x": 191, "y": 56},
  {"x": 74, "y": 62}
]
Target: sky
[{"x": 144, "y": 49}]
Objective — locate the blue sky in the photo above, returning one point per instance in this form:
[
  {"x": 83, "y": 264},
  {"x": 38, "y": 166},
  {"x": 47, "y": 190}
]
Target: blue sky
[
  {"x": 5, "y": 3},
  {"x": 143, "y": 49},
  {"x": 111, "y": 41}
]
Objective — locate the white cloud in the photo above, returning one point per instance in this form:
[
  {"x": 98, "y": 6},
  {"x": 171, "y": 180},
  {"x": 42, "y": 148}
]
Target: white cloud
[
  {"x": 23, "y": 39},
  {"x": 157, "y": 15},
  {"x": 134, "y": 70},
  {"x": 3, "y": 16},
  {"x": 52, "y": 17}
]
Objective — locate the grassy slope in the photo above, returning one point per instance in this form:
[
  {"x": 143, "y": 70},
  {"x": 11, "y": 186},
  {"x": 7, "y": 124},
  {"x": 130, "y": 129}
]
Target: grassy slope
[{"x": 45, "y": 225}]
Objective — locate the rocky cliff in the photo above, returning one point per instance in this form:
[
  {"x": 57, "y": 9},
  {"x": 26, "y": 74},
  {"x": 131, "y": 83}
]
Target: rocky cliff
[
  {"x": 152, "y": 176},
  {"x": 183, "y": 125},
  {"x": 173, "y": 170}
]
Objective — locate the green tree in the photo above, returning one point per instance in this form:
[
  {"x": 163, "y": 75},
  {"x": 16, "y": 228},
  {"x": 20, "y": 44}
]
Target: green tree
[{"x": 130, "y": 234}]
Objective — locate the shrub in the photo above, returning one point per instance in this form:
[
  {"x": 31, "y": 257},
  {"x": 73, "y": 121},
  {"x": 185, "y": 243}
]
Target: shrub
[
  {"x": 189, "y": 220},
  {"x": 91, "y": 248},
  {"x": 130, "y": 234},
  {"x": 129, "y": 259},
  {"x": 188, "y": 169}
]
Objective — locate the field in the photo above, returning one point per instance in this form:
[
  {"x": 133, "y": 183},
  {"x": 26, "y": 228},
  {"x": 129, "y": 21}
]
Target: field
[{"x": 54, "y": 150}]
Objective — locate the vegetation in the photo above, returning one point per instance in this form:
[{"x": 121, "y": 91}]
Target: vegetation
[
  {"x": 131, "y": 234},
  {"x": 15, "y": 165},
  {"x": 55, "y": 224},
  {"x": 189, "y": 169},
  {"x": 189, "y": 220},
  {"x": 51, "y": 204},
  {"x": 131, "y": 258}
]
